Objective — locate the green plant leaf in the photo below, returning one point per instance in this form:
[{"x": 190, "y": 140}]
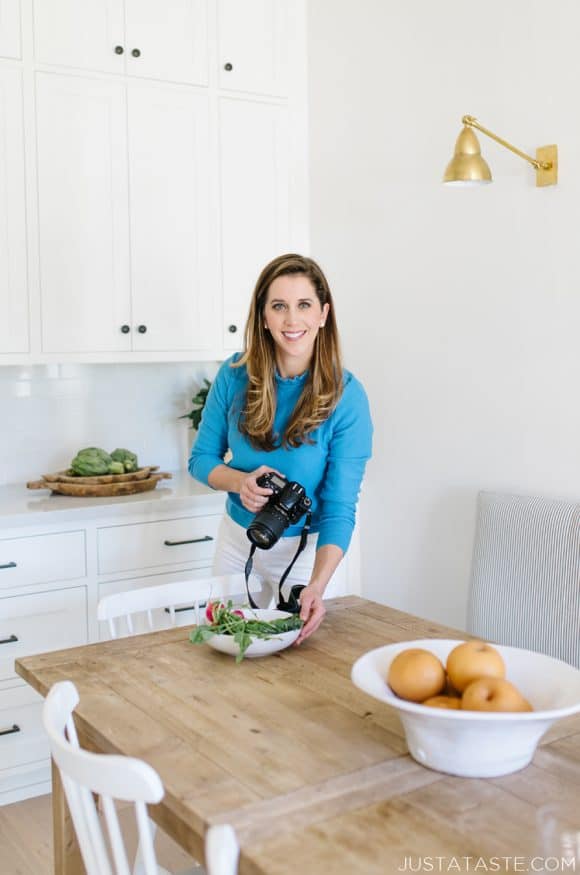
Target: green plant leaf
[{"x": 198, "y": 402}]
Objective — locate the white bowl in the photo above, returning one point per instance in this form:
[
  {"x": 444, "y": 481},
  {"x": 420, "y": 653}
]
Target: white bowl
[
  {"x": 476, "y": 744},
  {"x": 259, "y": 646}
]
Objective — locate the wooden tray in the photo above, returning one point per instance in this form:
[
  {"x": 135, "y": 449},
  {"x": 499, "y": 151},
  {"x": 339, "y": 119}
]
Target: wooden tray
[
  {"x": 67, "y": 477},
  {"x": 96, "y": 490}
]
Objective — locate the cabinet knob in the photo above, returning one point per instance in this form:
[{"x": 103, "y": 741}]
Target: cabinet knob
[
  {"x": 119, "y": 50},
  {"x": 232, "y": 329},
  {"x": 125, "y": 329},
  {"x": 142, "y": 329},
  {"x": 136, "y": 53},
  {"x": 228, "y": 66}
]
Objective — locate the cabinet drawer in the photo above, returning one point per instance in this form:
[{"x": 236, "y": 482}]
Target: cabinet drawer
[
  {"x": 40, "y": 622},
  {"x": 41, "y": 559},
  {"x": 22, "y": 737},
  {"x": 150, "y": 545}
]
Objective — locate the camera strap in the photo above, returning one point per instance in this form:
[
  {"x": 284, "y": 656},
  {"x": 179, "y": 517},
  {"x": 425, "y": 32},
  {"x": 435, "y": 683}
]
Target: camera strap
[{"x": 250, "y": 562}]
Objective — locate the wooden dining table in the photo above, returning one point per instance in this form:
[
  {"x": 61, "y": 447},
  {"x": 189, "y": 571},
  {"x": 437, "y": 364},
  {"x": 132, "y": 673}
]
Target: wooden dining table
[{"x": 313, "y": 774}]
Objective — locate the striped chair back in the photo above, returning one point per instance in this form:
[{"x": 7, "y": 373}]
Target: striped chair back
[{"x": 525, "y": 574}]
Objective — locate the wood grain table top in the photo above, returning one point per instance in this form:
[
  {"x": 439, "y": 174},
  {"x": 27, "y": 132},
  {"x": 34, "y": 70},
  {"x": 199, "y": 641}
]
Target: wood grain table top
[{"x": 313, "y": 774}]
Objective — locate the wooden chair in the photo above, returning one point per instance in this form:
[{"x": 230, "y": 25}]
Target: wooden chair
[
  {"x": 173, "y": 597},
  {"x": 86, "y": 774}
]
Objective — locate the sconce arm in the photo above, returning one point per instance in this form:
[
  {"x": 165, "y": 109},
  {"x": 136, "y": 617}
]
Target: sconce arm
[{"x": 473, "y": 123}]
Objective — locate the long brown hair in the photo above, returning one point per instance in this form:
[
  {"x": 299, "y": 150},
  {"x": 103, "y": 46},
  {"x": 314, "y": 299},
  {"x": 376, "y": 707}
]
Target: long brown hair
[{"x": 323, "y": 386}]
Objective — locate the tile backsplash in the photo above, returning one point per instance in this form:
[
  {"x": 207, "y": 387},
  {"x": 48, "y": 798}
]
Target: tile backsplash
[{"x": 51, "y": 411}]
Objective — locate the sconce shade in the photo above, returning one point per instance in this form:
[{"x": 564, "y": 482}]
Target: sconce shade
[{"x": 467, "y": 167}]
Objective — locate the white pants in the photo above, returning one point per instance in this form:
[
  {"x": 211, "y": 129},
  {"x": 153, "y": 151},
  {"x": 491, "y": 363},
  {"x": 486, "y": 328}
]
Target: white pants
[{"x": 231, "y": 555}]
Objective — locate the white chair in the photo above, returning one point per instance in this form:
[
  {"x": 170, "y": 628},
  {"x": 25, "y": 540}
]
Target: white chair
[
  {"x": 221, "y": 850},
  {"x": 188, "y": 594},
  {"x": 111, "y": 777},
  {"x": 116, "y": 778}
]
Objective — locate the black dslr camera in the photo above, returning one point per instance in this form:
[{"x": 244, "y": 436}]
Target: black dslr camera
[{"x": 284, "y": 508}]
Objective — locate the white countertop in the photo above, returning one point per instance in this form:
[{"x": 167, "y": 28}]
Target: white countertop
[{"x": 22, "y": 506}]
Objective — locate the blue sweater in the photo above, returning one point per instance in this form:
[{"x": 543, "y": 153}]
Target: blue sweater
[{"x": 331, "y": 469}]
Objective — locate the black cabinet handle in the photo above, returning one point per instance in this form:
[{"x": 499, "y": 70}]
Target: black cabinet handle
[
  {"x": 8, "y": 565},
  {"x": 180, "y": 610},
  {"x": 136, "y": 53},
  {"x": 11, "y": 640},
  {"x": 15, "y": 728},
  {"x": 229, "y": 67},
  {"x": 125, "y": 329},
  {"x": 142, "y": 329},
  {"x": 232, "y": 329},
  {"x": 193, "y": 541},
  {"x": 119, "y": 50}
]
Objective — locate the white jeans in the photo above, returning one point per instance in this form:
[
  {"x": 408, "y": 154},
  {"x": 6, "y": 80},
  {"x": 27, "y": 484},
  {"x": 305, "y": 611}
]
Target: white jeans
[{"x": 232, "y": 551}]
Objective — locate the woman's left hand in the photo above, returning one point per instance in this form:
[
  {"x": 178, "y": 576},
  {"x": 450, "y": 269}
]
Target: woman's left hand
[{"x": 312, "y": 611}]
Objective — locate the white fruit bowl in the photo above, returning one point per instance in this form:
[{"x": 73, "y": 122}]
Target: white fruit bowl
[
  {"x": 476, "y": 744},
  {"x": 259, "y": 646}
]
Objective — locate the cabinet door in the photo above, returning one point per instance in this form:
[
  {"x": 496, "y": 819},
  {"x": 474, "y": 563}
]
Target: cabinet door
[
  {"x": 252, "y": 52},
  {"x": 171, "y": 241},
  {"x": 167, "y": 40},
  {"x": 80, "y": 34},
  {"x": 254, "y": 202},
  {"x": 83, "y": 214},
  {"x": 10, "y": 28},
  {"x": 13, "y": 275}
]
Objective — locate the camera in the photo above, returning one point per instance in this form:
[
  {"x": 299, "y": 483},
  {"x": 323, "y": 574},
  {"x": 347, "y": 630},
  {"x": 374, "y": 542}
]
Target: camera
[{"x": 286, "y": 505}]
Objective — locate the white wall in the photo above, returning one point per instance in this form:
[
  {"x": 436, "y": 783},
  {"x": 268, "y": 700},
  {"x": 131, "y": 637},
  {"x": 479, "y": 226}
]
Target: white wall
[
  {"x": 48, "y": 413},
  {"x": 460, "y": 309}
]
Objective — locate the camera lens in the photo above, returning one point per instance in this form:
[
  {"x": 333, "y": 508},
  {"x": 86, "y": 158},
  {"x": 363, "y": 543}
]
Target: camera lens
[{"x": 266, "y": 528}]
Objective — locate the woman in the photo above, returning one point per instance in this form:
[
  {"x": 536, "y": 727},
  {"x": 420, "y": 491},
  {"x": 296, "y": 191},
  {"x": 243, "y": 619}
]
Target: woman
[{"x": 285, "y": 404}]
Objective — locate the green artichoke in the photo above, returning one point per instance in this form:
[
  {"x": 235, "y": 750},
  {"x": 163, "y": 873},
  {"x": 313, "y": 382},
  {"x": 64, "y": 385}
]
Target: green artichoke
[
  {"x": 91, "y": 462},
  {"x": 126, "y": 458}
]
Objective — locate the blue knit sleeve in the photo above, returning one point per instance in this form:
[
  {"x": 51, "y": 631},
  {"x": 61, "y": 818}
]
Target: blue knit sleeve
[
  {"x": 211, "y": 443},
  {"x": 349, "y": 450}
]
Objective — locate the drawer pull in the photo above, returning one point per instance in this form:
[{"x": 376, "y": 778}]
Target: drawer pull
[
  {"x": 180, "y": 610},
  {"x": 8, "y": 565},
  {"x": 11, "y": 731},
  {"x": 12, "y": 640},
  {"x": 193, "y": 541}
]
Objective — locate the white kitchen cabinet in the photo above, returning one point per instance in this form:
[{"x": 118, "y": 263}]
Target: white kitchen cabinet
[
  {"x": 39, "y": 559},
  {"x": 167, "y": 41},
  {"x": 24, "y": 752},
  {"x": 254, "y": 201},
  {"x": 173, "y": 233},
  {"x": 82, "y": 214},
  {"x": 126, "y": 250},
  {"x": 10, "y": 43},
  {"x": 157, "y": 183},
  {"x": 155, "y": 545},
  {"x": 14, "y": 336},
  {"x": 80, "y": 34},
  {"x": 253, "y": 46},
  {"x": 149, "y": 38},
  {"x": 40, "y": 622}
]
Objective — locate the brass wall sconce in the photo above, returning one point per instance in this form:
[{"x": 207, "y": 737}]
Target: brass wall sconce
[{"x": 467, "y": 167}]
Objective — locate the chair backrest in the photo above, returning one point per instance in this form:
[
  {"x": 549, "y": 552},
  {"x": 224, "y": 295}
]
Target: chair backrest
[
  {"x": 525, "y": 575},
  {"x": 191, "y": 593},
  {"x": 221, "y": 850},
  {"x": 111, "y": 777}
]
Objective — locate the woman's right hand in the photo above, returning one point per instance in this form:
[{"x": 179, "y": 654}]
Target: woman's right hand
[{"x": 252, "y": 496}]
